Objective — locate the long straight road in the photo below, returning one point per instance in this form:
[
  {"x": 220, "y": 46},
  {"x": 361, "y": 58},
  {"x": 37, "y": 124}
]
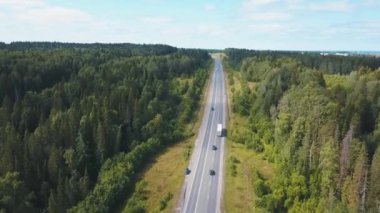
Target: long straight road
[{"x": 203, "y": 191}]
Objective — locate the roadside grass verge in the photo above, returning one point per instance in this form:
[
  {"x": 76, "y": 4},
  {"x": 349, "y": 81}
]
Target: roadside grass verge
[
  {"x": 165, "y": 176},
  {"x": 242, "y": 164}
]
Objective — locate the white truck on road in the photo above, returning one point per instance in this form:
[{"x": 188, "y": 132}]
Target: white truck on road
[{"x": 219, "y": 130}]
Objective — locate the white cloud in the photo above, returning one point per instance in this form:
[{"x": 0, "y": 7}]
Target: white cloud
[
  {"x": 2, "y": 16},
  {"x": 274, "y": 30},
  {"x": 333, "y": 6},
  {"x": 48, "y": 16},
  {"x": 285, "y": 18},
  {"x": 371, "y": 3},
  {"x": 37, "y": 13},
  {"x": 211, "y": 30},
  {"x": 254, "y": 4},
  {"x": 267, "y": 23},
  {"x": 258, "y": 2},
  {"x": 38, "y": 20},
  {"x": 154, "y": 1},
  {"x": 21, "y": 2},
  {"x": 370, "y": 28},
  {"x": 209, "y": 7},
  {"x": 269, "y": 16},
  {"x": 196, "y": 31},
  {"x": 268, "y": 28},
  {"x": 156, "y": 19},
  {"x": 294, "y": 4},
  {"x": 360, "y": 29},
  {"x": 176, "y": 31}
]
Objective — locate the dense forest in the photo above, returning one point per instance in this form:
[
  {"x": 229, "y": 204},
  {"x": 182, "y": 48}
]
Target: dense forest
[
  {"x": 79, "y": 121},
  {"x": 314, "y": 60},
  {"x": 317, "y": 119}
]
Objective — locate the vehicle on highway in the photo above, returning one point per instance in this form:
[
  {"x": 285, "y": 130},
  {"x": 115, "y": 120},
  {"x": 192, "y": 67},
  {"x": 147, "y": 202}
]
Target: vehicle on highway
[
  {"x": 204, "y": 185},
  {"x": 212, "y": 172},
  {"x": 219, "y": 130},
  {"x": 187, "y": 171}
]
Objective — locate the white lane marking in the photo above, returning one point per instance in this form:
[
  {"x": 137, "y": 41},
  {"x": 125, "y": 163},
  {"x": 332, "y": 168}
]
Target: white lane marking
[
  {"x": 199, "y": 148},
  {"x": 221, "y": 165},
  {"x": 208, "y": 194},
  {"x": 221, "y": 144},
  {"x": 215, "y": 138},
  {"x": 212, "y": 138},
  {"x": 204, "y": 167}
]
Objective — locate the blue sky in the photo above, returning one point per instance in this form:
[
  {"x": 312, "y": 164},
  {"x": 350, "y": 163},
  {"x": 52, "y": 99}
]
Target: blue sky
[{"x": 253, "y": 24}]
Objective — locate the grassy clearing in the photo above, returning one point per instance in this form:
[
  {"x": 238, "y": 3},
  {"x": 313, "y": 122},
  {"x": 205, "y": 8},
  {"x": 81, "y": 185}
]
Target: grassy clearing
[
  {"x": 165, "y": 176},
  {"x": 241, "y": 163}
]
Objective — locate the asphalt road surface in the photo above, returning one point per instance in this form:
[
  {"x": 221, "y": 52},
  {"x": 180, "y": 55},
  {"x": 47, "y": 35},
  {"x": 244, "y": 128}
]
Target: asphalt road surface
[{"x": 203, "y": 191}]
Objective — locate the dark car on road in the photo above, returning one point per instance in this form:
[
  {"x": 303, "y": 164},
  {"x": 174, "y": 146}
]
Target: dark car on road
[
  {"x": 187, "y": 171},
  {"x": 214, "y": 147},
  {"x": 212, "y": 172}
]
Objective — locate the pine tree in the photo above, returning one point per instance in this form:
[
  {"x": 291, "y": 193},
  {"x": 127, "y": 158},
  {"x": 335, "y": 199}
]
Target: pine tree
[
  {"x": 54, "y": 163},
  {"x": 53, "y": 206},
  {"x": 84, "y": 185},
  {"x": 328, "y": 166},
  {"x": 101, "y": 146}
]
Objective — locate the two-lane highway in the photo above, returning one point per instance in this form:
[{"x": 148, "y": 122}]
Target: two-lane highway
[{"x": 203, "y": 190}]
